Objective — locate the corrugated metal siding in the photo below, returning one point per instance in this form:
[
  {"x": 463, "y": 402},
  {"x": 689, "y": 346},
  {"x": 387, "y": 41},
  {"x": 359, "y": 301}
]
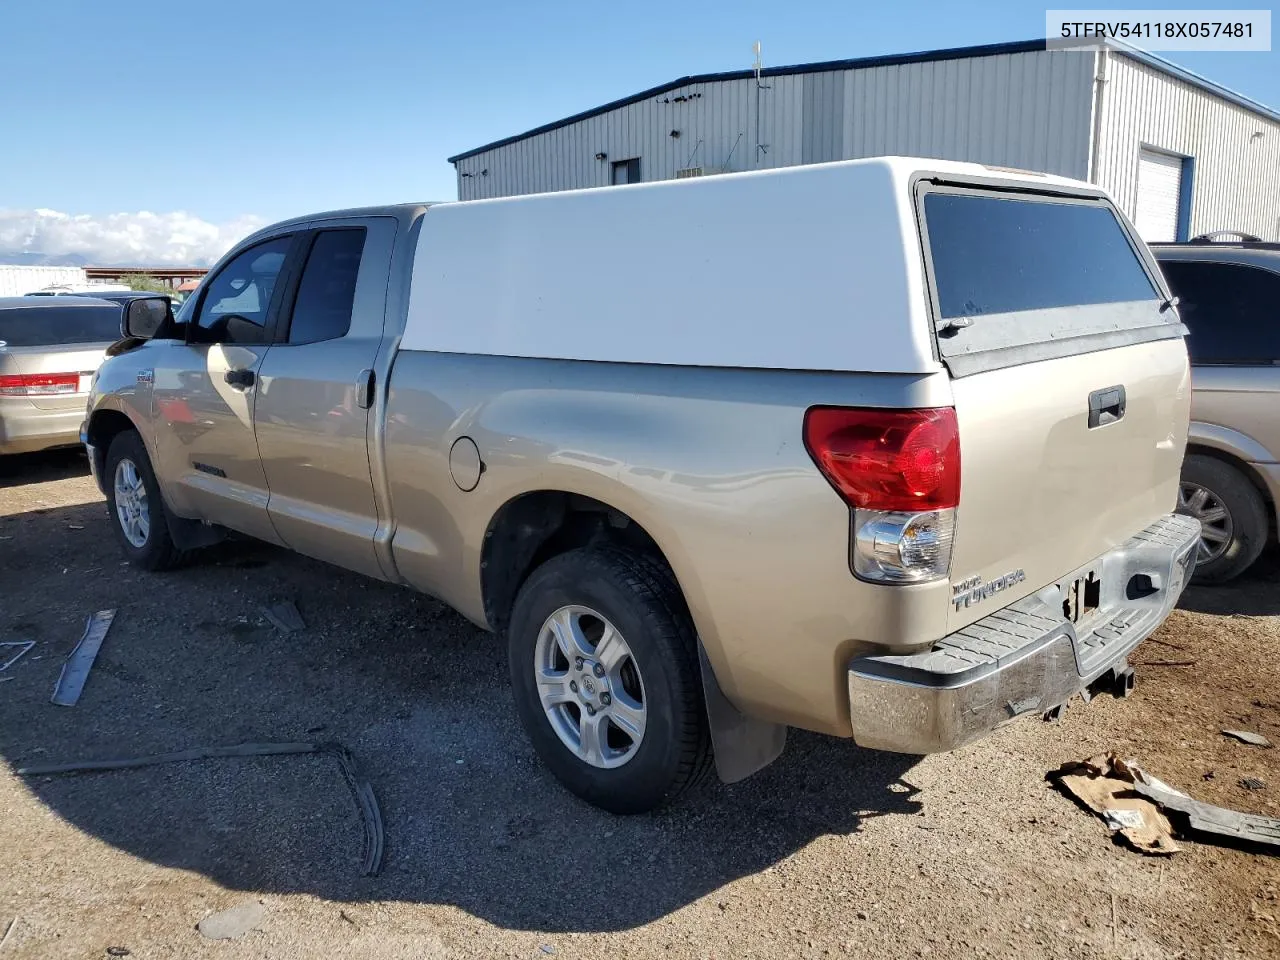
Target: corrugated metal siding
[
  {"x": 1026, "y": 110},
  {"x": 1029, "y": 110},
  {"x": 19, "y": 279},
  {"x": 1236, "y": 185},
  {"x": 823, "y": 132}
]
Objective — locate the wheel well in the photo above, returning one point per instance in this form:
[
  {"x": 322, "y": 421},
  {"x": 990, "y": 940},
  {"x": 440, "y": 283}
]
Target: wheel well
[
  {"x": 1241, "y": 467},
  {"x": 105, "y": 426},
  {"x": 534, "y": 527}
]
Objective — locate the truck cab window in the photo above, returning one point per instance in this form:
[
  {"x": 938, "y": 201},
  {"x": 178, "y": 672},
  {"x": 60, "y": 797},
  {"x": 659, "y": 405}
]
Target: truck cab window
[
  {"x": 235, "y": 306},
  {"x": 327, "y": 291}
]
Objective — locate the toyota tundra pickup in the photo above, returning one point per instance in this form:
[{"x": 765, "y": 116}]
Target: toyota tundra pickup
[{"x": 886, "y": 449}]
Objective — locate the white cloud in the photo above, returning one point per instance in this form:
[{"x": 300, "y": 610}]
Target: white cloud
[{"x": 144, "y": 238}]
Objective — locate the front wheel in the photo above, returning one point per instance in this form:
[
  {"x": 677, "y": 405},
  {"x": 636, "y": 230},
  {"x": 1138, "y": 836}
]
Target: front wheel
[
  {"x": 604, "y": 667},
  {"x": 138, "y": 513}
]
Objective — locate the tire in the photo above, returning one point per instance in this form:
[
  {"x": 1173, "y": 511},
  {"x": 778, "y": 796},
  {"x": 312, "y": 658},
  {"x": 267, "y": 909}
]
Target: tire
[
  {"x": 146, "y": 543},
  {"x": 1232, "y": 511},
  {"x": 637, "y": 597}
]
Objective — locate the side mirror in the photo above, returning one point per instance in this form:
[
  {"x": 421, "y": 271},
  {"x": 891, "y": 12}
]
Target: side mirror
[{"x": 143, "y": 318}]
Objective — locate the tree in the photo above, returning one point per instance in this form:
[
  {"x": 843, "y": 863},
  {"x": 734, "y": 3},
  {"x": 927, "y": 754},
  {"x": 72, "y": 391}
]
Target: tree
[{"x": 144, "y": 281}]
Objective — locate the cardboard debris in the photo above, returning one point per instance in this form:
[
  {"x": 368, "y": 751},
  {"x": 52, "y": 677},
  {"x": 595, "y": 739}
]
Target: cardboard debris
[
  {"x": 1107, "y": 783},
  {"x": 1244, "y": 736},
  {"x": 1137, "y": 820}
]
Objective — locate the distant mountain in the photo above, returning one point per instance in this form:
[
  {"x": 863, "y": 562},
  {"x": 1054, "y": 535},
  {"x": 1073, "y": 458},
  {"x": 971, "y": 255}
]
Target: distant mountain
[{"x": 26, "y": 259}]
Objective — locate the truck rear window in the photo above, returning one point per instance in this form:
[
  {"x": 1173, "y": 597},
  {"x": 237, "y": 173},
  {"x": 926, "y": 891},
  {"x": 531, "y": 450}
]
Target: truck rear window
[
  {"x": 59, "y": 325},
  {"x": 995, "y": 255}
]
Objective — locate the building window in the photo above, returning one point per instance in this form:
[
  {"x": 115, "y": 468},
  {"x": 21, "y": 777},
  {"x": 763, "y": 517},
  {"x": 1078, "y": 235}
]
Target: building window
[{"x": 626, "y": 171}]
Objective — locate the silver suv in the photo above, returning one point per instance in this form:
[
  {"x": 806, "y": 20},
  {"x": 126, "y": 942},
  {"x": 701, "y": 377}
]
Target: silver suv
[{"x": 1229, "y": 298}]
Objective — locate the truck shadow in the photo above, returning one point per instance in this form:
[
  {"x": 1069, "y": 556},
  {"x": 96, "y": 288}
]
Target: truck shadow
[
  {"x": 29, "y": 468},
  {"x": 1255, "y": 593},
  {"x": 418, "y": 694}
]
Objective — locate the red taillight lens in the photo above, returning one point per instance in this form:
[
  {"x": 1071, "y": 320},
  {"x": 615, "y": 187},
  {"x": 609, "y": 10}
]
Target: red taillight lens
[
  {"x": 887, "y": 459},
  {"x": 38, "y": 384}
]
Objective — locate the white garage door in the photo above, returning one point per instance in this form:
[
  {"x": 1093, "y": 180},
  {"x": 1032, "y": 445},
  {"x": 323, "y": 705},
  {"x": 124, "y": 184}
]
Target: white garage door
[{"x": 1159, "y": 190}]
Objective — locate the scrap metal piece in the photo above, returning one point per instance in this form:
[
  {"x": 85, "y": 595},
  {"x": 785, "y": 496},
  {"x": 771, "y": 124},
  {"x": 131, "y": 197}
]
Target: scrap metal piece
[
  {"x": 361, "y": 791},
  {"x": 24, "y": 644},
  {"x": 8, "y": 930},
  {"x": 285, "y": 617},
  {"x": 1244, "y": 736},
  {"x": 1198, "y": 817},
  {"x": 1206, "y": 818},
  {"x": 75, "y": 670}
]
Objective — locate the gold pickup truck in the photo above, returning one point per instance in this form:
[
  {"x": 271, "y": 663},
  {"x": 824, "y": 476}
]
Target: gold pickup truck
[{"x": 886, "y": 449}]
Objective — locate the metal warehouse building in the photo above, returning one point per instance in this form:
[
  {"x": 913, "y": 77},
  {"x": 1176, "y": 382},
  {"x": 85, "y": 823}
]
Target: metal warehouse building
[{"x": 1181, "y": 155}]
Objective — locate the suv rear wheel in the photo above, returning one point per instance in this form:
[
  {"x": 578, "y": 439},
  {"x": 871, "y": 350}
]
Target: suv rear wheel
[
  {"x": 138, "y": 513},
  {"x": 1232, "y": 515},
  {"x": 604, "y": 667}
]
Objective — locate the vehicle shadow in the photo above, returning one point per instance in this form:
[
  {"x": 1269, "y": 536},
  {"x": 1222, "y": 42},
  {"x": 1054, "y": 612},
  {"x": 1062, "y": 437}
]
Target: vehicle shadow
[
  {"x": 419, "y": 695},
  {"x": 29, "y": 468},
  {"x": 1255, "y": 593}
]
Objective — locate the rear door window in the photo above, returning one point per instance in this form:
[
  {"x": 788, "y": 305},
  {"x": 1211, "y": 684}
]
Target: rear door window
[
  {"x": 1230, "y": 309},
  {"x": 327, "y": 291},
  {"x": 59, "y": 325},
  {"x": 1030, "y": 276}
]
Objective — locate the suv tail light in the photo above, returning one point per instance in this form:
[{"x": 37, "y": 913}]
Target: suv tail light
[
  {"x": 900, "y": 471},
  {"x": 38, "y": 384}
]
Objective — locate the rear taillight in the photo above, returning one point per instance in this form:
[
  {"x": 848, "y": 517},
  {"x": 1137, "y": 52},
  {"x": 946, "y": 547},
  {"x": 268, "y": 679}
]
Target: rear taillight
[
  {"x": 38, "y": 384},
  {"x": 900, "y": 471}
]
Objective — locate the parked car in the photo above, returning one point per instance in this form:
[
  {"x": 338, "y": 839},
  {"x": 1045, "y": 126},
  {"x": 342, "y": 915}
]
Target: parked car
[
  {"x": 124, "y": 296},
  {"x": 716, "y": 456},
  {"x": 79, "y": 290},
  {"x": 1229, "y": 298},
  {"x": 50, "y": 348}
]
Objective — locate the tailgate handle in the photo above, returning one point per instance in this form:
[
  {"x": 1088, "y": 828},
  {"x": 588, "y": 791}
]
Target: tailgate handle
[{"x": 1106, "y": 406}]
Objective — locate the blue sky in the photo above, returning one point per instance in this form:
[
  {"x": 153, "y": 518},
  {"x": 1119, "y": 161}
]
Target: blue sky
[{"x": 231, "y": 109}]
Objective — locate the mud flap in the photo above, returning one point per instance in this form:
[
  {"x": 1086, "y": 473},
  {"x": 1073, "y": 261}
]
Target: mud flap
[
  {"x": 192, "y": 534},
  {"x": 742, "y": 745}
]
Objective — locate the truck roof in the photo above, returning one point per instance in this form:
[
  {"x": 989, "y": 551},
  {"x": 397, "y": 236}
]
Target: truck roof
[{"x": 682, "y": 271}]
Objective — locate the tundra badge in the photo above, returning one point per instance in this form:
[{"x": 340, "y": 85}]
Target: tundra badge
[{"x": 974, "y": 590}]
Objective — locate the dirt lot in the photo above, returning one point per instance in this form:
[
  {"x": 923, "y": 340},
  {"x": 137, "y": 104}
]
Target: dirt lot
[{"x": 833, "y": 851}]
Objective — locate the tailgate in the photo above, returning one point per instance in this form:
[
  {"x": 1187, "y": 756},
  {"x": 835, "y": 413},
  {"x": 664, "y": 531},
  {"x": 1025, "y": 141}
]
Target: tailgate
[
  {"x": 1044, "y": 493},
  {"x": 1070, "y": 380}
]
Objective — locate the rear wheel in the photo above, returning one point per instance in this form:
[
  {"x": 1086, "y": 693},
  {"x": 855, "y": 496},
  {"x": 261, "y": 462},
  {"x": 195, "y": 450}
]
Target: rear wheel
[
  {"x": 1232, "y": 515},
  {"x": 604, "y": 667},
  {"x": 137, "y": 510}
]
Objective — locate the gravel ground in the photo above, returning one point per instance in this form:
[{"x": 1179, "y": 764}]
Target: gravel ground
[{"x": 832, "y": 851}]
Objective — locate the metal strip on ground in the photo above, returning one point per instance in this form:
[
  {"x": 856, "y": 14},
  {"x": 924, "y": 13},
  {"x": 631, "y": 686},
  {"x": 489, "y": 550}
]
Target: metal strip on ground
[
  {"x": 76, "y": 669},
  {"x": 26, "y": 645}
]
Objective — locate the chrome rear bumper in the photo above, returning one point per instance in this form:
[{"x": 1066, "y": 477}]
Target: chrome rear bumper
[{"x": 1026, "y": 658}]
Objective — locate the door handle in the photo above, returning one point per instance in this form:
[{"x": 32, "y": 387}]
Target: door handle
[
  {"x": 1106, "y": 406},
  {"x": 240, "y": 378},
  {"x": 364, "y": 389}
]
